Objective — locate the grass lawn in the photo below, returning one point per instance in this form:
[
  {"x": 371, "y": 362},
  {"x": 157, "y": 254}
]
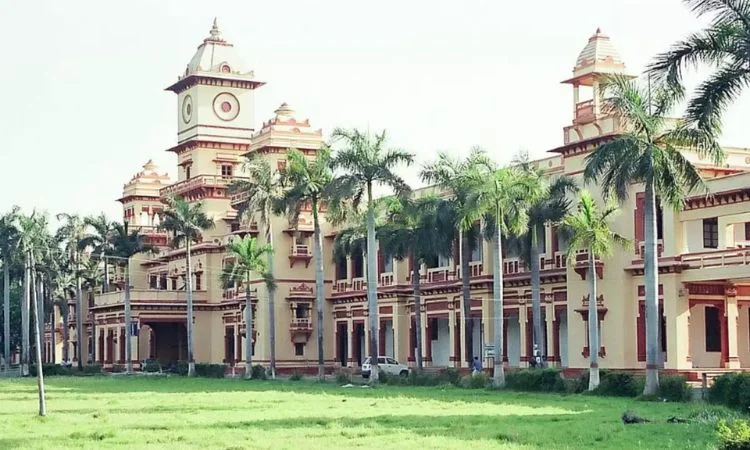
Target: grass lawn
[{"x": 107, "y": 412}]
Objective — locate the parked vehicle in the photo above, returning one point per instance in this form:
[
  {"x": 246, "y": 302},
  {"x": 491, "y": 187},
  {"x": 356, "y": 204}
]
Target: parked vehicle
[{"x": 386, "y": 365}]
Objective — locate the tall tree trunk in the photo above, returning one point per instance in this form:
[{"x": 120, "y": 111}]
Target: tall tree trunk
[
  {"x": 105, "y": 282},
  {"x": 372, "y": 286},
  {"x": 66, "y": 331},
  {"x": 189, "y": 318},
  {"x": 25, "y": 311},
  {"x": 466, "y": 293},
  {"x": 53, "y": 329},
  {"x": 593, "y": 326},
  {"x": 417, "y": 309},
  {"x": 128, "y": 321},
  {"x": 6, "y": 313},
  {"x": 271, "y": 304},
  {"x": 536, "y": 300},
  {"x": 652, "y": 294},
  {"x": 79, "y": 316},
  {"x": 38, "y": 341},
  {"x": 40, "y": 306},
  {"x": 318, "y": 255},
  {"x": 497, "y": 288},
  {"x": 248, "y": 329}
]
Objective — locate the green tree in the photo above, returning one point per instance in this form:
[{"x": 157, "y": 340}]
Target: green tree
[
  {"x": 8, "y": 248},
  {"x": 33, "y": 239},
  {"x": 125, "y": 244},
  {"x": 722, "y": 45},
  {"x": 588, "y": 229},
  {"x": 70, "y": 234},
  {"x": 366, "y": 162},
  {"x": 249, "y": 257},
  {"x": 309, "y": 183},
  {"x": 460, "y": 177},
  {"x": 186, "y": 221},
  {"x": 548, "y": 204},
  {"x": 99, "y": 242},
  {"x": 64, "y": 291},
  {"x": 501, "y": 199},
  {"x": 420, "y": 229},
  {"x": 649, "y": 153},
  {"x": 263, "y": 190}
]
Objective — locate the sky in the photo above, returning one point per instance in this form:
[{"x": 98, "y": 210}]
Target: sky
[{"x": 84, "y": 105}]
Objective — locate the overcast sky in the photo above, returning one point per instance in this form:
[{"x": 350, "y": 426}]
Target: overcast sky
[{"x": 84, "y": 106}]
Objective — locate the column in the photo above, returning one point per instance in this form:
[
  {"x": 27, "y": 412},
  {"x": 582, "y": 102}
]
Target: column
[
  {"x": 677, "y": 313},
  {"x": 684, "y": 247},
  {"x": 400, "y": 333},
  {"x": 724, "y": 336},
  {"x": 549, "y": 317},
  {"x": 368, "y": 350},
  {"x": 453, "y": 338},
  {"x": 381, "y": 338},
  {"x": 732, "y": 314},
  {"x": 412, "y": 339},
  {"x": 239, "y": 354},
  {"x": 351, "y": 340},
  {"x": 426, "y": 338},
  {"x": 575, "y": 97},
  {"x": 595, "y": 99},
  {"x": 522, "y": 318}
]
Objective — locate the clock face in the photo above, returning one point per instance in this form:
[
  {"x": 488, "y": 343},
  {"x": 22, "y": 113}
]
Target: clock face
[
  {"x": 187, "y": 108},
  {"x": 226, "y": 106}
]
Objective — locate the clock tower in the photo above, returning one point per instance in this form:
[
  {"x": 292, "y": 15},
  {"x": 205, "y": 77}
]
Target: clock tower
[{"x": 215, "y": 116}]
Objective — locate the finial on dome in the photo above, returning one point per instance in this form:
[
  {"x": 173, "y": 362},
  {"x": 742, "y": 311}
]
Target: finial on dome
[
  {"x": 284, "y": 111},
  {"x": 215, "y": 33},
  {"x": 598, "y": 29},
  {"x": 149, "y": 165}
]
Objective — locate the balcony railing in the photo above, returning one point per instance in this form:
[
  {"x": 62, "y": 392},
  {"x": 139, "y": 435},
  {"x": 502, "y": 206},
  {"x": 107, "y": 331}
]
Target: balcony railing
[
  {"x": 301, "y": 323},
  {"x": 642, "y": 248},
  {"x": 148, "y": 295},
  {"x": 561, "y": 260},
  {"x": 386, "y": 279},
  {"x": 239, "y": 197},
  {"x": 300, "y": 250},
  {"x": 719, "y": 258},
  {"x": 197, "y": 182},
  {"x": 585, "y": 111}
]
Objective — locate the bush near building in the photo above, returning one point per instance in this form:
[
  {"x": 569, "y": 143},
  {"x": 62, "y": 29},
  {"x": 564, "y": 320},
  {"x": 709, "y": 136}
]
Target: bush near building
[{"x": 732, "y": 390}]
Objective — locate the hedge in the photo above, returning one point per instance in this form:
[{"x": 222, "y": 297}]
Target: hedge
[{"x": 732, "y": 390}]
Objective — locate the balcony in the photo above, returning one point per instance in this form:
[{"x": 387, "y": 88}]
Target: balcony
[
  {"x": 386, "y": 279},
  {"x": 300, "y": 329},
  {"x": 197, "y": 182},
  {"x": 148, "y": 296},
  {"x": 585, "y": 112},
  {"x": 299, "y": 252},
  {"x": 239, "y": 198},
  {"x": 716, "y": 265}
]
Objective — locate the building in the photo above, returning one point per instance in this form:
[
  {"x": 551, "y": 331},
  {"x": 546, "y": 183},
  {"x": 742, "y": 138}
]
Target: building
[{"x": 704, "y": 256}]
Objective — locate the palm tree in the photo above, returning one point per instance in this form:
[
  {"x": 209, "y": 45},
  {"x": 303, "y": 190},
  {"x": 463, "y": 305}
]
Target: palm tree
[
  {"x": 8, "y": 247},
  {"x": 721, "y": 45},
  {"x": 366, "y": 163},
  {"x": 124, "y": 245},
  {"x": 501, "y": 201},
  {"x": 650, "y": 153},
  {"x": 186, "y": 221},
  {"x": 71, "y": 233},
  {"x": 64, "y": 290},
  {"x": 548, "y": 204},
  {"x": 420, "y": 229},
  {"x": 249, "y": 257},
  {"x": 459, "y": 178},
  {"x": 99, "y": 242},
  {"x": 264, "y": 191},
  {"x": 309, "y": 182},
  {"x": 588, "y": 229},
  {"x": 33, "y": 238},
  {"x": 91, "y": 277}
]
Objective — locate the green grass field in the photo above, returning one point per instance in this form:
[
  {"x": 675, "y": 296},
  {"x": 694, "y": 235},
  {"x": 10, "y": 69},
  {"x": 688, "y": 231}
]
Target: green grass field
[{"x": 108, "y": 412}]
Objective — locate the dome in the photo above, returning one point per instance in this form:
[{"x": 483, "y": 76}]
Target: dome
[
  {"x": 216, "y": 55},
  {"x": 598, "y": 50}
]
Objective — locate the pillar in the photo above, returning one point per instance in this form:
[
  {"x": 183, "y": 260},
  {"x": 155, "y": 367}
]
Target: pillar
[
  {"x": 576, "y": 89},
  {"x": 522, "y": 319},
  {"x": 455, "y": 353},
  {"x": 732, "y": 314},
  {"x": 400, "y": 333},
  {"x": 381, "y": 338},
  {"x": 549, "y": 319},
  {"x": 412, "y": 339},
  {"x": 426, "y": 338},
  {"x": 677, "y": 314},
  {"x": 684, "y": 247},
  {"x": 350, "y": 336},
  {"x": 368, "y": 350},
  {"x": 595, "y": 99}
]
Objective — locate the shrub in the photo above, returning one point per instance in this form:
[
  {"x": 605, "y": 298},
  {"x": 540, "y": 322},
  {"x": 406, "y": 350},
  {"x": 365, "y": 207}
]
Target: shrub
[
  {"x": 395, "y": 380},
  {"x": 536, "y": 380},
  {"x": 674, "y": 388},
  {"x": 619, "y": 384},
  {"x": 732, "y": 390},
  {"x": 478, "y": 381},
  {"x": 92, "y": 369},
  {"x": 420, "y": 378},
  {"x": 181, "y": 368},
  {"x": 152, "y": 366},
  {"x": 258, "y": 372},
  {"x": 449, "y": 376},
  {"x": 296, "y": 376},
  {"x": 344, "y": 376},
  {"x": 51, "y": 370},
  {"x": 118, "y": 368},
  {"x": 209, "y": 370},
  {"x": 734, "y": 435}
]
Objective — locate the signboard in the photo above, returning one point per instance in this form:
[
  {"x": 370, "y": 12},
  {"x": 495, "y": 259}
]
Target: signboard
[
  {"x": 134, "y": 328},
  {"x": 489, "y": 351}
]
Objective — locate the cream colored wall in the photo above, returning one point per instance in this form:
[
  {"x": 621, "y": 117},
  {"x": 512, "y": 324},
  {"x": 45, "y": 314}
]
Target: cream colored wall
[
  {"x": 700, "y": 357},
  {"x": 203, "y": 113},
  {"x": 743, "y": 335}
]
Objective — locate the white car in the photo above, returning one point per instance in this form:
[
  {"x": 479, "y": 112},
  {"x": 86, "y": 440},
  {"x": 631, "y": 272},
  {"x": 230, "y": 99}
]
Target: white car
[{"x": 385, "y": 364}]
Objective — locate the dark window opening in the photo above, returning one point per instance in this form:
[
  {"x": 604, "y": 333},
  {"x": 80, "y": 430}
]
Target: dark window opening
[
  {"x": 226, "y": 170},
  {"x": 229, "y": 345},
  {"x": 711, "y": 233},
  {"x": 301, "y": 312},
  {"x": 299, "y": 349},
  {"x": 659, "y": 220},
  {"x": 433, "y": 329},
  {"x": 432, "y": 261},
  {"x": 163, "y": 281},
  {"x": 153, "y": 282},
  {"x": 341, "y": 268},
  {"x": 187, "y": 172},
  {"x": 747, "y": 231},
  {"x": 198, "y": 282},
  {"x": 713, "y": 329},
  {"x": 174, "y": 284},
  {"x": 358, "y": 265}
]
